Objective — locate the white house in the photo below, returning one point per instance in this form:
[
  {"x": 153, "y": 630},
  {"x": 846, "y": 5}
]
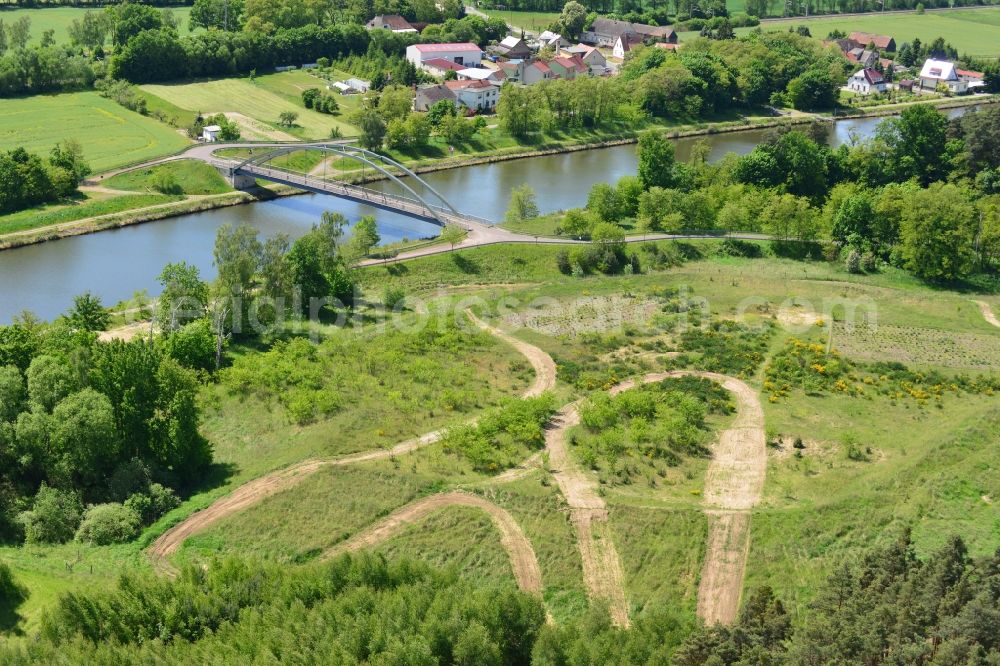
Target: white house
[
  {"x": 941, "y": 72},
  {"x": 478, "y": 95},
  {"x": 462, "y": 53},
  {"x": 867, "y": 81},
  {"x": 210, "y": 133},
  {"x": 625, "y": 43}
]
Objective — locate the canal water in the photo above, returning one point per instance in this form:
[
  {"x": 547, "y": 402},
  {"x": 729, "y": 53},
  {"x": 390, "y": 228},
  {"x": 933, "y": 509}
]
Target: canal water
[{"x": 114, "y": 264}]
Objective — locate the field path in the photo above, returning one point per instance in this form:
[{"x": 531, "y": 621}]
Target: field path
[
  {"x": 987, "y": 311},
  {"x": 602, "y": 569},
  {"x": 522, "y": 555},
  {"x": 733, "y": 485},
  {"x": 262, "y": 487}
]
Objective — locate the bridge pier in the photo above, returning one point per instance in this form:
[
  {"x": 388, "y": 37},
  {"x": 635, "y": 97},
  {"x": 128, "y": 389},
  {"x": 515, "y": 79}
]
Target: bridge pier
[{"x": 238, "y": 181}]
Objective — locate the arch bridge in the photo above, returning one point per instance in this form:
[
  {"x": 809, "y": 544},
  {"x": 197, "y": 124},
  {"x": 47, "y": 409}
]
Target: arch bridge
[{"x": 420, "y": 200}]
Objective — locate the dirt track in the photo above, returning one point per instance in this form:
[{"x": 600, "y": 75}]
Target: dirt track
[
  {"x": 733, "y": 485},
  {"x": 254, "y": 491},
  {"x": 602, "y": 570},
  {"x": 988, "y": 315},
  {"x": 519, "y": 549}
]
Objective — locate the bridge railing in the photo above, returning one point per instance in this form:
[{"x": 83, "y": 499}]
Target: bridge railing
[{"x": 392, "y": 200}]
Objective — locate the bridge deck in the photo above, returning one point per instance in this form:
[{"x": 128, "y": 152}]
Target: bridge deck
[{"x": 384, "y": 200}]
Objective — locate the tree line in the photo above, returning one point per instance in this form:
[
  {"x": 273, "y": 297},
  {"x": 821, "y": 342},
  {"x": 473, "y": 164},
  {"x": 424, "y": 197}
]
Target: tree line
[
  {"x": 887, "y": 607},
  {"x": 28, "y": 180}
]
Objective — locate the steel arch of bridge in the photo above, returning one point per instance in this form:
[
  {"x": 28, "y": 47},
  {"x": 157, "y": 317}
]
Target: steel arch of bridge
[{"x": 380, "y": 163}]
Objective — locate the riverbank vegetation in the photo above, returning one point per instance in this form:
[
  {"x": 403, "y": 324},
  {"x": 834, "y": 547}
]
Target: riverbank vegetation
[
  {"x": 179, "y": 177},
  {"x": 879, "y": 201}
]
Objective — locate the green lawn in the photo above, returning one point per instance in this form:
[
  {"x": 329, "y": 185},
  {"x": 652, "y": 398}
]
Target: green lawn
[
  {"x": 532, "y": 21},
  {"x": 972, "y": 32},
  {"x": 111, "y": 135},
  {"x": 59, "y": 19},
  {"x": 192, "y": 176},
  {"x": 260, "y": 101}
]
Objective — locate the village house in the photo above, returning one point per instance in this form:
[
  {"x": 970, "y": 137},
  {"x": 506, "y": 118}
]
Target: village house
[
  {"x": 476, "y": 95},
  {"x": 866, "y": 81},
  {"x": 536, "y": 71},
  {"x": 568, "y": 68},
  {"x": 973, "y": 79},
  {"x": 881, "y": 42},
  {"x": 393, "y": 22},
  {"x": 494, "y": 76},
  {"x": 863, "y": 57},
  {"x": 625, "y": 43},
  {"x": 941, "y": 73},
  {"x": 441, "y": 66},
  {"x": 428, "y": 96},
  {"x": 210, "y": 133},
  {"x": 552, "y": 39},
  {"x": 605, "y": 32},
  {"x": 590, "y": 56},
  {"x": 466, "y": 54},
  {"x": 512, "y": 48}
]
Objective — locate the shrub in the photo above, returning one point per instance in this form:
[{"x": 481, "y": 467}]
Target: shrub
[
  {"x": 130, "y": 477},
  {"x": 853, "y": 262},
  {"x": 105, "y": 524},
  {"x": 53, "y": 518},
  {"x": 500, "y": 437},
  {"x": 393, "y": 297},
  {"x": 193, "y": 345},
  {"x": 869, "y": 263},
  {"x": 163, "y": 499},
  {"x": 12, "y": 593}
]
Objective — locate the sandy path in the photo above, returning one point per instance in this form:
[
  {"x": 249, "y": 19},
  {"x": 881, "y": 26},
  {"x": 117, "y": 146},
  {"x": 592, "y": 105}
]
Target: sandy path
[
  {"x": 545, "y": 367},
  {"x": 602, "y": 570},
  {"x": 987, "y": 311},
  {"x": 126, "y": 332},
  {"x": 257, "y": 129},
  {"x": 522, "y": 556},
  {"x": 733, "y": 485},
  {"x": 258, "y": 489}
]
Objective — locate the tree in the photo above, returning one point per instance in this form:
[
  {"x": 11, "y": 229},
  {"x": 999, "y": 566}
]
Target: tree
[
  {"x": 50, "y": 379},
  {"x": 19, "y": 32},
  {"x": 518, "y": 111},
  {"x": 184, "y": 297},
  {"x": 287, "y": 118},
  {"x": 88, "y": 314},
  {"x": 90, "y": 31},
  {"x": 105, "y": 524},
  {"x": 657, "y": 161},
  {"x": 572, "y": 19},
  {"x": 937, "y": 238},
  {"x": 813, "y": 89},
  {"x": 13, "y": 393},
  {"x": 53, "y": 517},
  {"x": 372, "y": 127},
  {"x": 83, "y": 438},
  {"x": 218, "y": 14},
  {"x": 395, "y": 102},
  {"x": 129, "y": 19},
  {"x": 603, "y": 202},
  {"x": 522, "y": 204},
  {"x": 364, "y": 236},
  {"x": 452, "y": 235},
  {"x": 577, "y": 222},
  {"x": 916, "y": 144}
]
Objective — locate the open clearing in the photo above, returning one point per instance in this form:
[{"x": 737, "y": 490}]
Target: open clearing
[
  {"x": 522, "y": 556},
  {"x": 253, "y": 492},
  {"x": 110, "y": 134},
  {"x": 60, "y": 18},
  {"x": 262, "y": 100}
]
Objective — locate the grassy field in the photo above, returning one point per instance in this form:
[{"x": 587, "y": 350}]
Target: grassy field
[
  {"x": 110, "y": 134},
  {"x": 191, "y": 176},
  {"x": 87, "y": 206},
  {"x": 60, "y": 18},
  {"x": 259, "y": 104},
  {"x": 972, "y": 32},
  {"x": 913, "y": 465}
]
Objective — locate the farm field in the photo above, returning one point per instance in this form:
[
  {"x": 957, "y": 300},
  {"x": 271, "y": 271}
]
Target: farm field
[
  {"x": 60, "y": 18},
  {"x": 110, "y": 134},
  {"x": 972, "y": 32},
  {"x": 256, "y": 105}
]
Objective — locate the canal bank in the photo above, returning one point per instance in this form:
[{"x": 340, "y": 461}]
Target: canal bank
[{"x": 113, "y": 264}]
